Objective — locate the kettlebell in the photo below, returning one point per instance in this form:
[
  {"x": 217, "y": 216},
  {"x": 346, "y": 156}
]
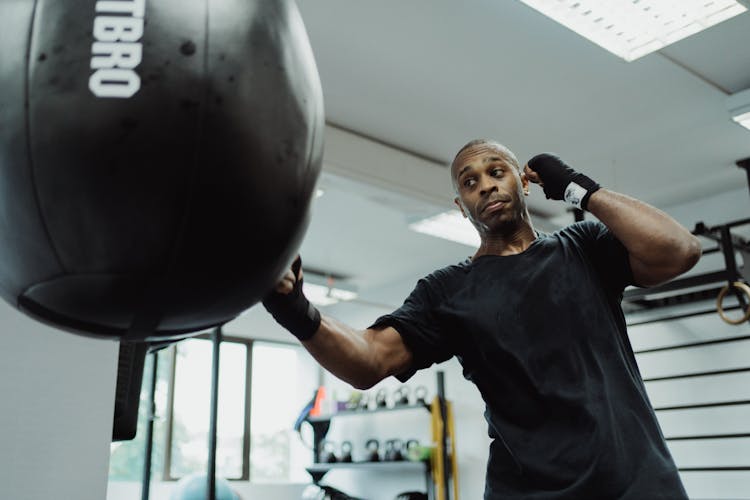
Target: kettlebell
[
  {"x": 326, "y": 453},
  {"x": 415, "y": 452},
  {"x": 346, "y": 451},
  {"x": 393, "y": 450},
  {"x": 401, "y": 396},
  {"x": 354, "y": 401},
  {"x": 373, "y": 450},
  {"x": 420, "y": 393},
  {"x": 364, "y": 402},
  {"x": 381, "y": 398}
]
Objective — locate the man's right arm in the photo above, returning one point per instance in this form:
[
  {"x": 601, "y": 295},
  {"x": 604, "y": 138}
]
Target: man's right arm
[{"x": 361, "y": 358}]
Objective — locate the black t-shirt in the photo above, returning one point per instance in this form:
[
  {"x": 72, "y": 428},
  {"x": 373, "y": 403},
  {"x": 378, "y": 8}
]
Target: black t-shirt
[{"x": 543, "y": 337}]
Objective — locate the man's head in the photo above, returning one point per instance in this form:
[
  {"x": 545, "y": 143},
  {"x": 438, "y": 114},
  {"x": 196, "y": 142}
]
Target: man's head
[{"x": 490, "y": 186}]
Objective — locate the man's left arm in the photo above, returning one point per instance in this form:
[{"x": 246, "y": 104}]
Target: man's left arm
[{"x": 659, "y": 248}]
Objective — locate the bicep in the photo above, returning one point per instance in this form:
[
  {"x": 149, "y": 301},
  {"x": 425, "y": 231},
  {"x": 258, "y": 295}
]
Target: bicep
[{"x": 391, "y": 354}]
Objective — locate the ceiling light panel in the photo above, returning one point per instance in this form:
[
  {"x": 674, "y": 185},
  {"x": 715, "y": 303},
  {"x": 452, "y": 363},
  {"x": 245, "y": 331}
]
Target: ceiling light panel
[
  {"x": 449, "y": 225},
  {"x": 633, "y": 28},
  {"x": 743, "y": 120},
  {"x": 739, "y": 107}
]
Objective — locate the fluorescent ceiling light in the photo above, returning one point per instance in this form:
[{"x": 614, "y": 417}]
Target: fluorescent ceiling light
[
  {"x": 633, "y": 28},
  {"x": 743, "y": 120},
  {"x": 449, "y": 225},
  {"x": 321, "y": 295},
  {"x": 739, "y": 107}
]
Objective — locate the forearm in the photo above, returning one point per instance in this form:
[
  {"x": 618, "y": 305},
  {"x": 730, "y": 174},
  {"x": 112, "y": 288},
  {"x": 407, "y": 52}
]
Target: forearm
[
  {"x": 345, "y": 352},
  {"x": 651, "y": 236}
]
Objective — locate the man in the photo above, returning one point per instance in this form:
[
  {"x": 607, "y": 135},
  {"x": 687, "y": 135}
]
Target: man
[{"x": 536, "y": 322}]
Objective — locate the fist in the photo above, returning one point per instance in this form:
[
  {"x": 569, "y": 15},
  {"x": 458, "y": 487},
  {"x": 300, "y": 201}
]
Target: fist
[
  {"x": 290, "y": 278},
  {"x": 549, "y": 171},
  {"x": 531, "y": 175},
  {"x": 559, "y": 181}
]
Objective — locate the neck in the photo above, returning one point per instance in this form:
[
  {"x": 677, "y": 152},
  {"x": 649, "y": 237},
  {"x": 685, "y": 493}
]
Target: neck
[{"x": 510, "y": 242}]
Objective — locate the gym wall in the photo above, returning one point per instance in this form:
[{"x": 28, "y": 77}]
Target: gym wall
[{"x": 57, "y": 404}]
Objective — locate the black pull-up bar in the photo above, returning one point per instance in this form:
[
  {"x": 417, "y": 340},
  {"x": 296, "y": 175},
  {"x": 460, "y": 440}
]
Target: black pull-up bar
[{"x": 745, "y": 163}]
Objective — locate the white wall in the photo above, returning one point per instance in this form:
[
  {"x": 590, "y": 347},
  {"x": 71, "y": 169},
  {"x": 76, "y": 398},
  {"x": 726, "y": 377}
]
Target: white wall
[
  {"x": 57, "y": 394},
  {"x": 710, "y": 389}
]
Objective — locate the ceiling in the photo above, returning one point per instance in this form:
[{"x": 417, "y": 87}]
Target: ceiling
[
  {"x": 422, "y": 77},
  {"x": 428, "y": 75}
]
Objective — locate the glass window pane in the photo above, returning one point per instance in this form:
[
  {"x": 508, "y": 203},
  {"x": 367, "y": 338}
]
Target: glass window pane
[
  {"x": 284, "y": 379},
  {"x": 191, "y": 412},
  {"x": 126, "y": 457},
  {"x": 231, "y": 415}
]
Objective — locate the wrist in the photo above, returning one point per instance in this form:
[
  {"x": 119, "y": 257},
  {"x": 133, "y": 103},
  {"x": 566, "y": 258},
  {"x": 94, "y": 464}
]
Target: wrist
[
  {"x": 579, "y": 191},
  {"x": 294, "y": 312}
]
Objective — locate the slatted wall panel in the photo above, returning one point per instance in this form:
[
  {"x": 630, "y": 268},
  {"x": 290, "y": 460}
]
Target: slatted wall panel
[{"x": 697, "y": 374}]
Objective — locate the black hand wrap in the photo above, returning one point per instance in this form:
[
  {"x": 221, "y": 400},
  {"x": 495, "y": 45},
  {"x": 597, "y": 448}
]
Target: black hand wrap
[
  {"x": 293, "y": 311},
  {"x": 560, "y": 182}
]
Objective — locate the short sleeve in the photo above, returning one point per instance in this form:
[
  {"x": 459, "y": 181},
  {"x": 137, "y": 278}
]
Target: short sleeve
[
  {"x": 418, "y": 323},
  {"x": 608, "y": 256}
]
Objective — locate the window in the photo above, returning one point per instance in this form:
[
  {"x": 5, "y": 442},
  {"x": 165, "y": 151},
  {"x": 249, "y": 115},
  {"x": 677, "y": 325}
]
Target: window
[
  {"x": 191, "y": 409},
  {"x": 284, "y": 379},
  {"x": 255, "y": 436}
]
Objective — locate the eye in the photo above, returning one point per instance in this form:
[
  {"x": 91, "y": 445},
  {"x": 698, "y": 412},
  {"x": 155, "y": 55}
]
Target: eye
[
  {"x": 497, "y": 172},
  {"x": 469, "y": 182}
]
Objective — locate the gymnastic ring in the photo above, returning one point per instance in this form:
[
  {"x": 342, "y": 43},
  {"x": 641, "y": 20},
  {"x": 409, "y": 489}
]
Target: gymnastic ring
[{"x": 742, "y": 286}]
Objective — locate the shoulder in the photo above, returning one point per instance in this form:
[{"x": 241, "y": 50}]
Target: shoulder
[
  {"x": 582, "y": 232},
  {"x": 449, "y": 272},
  {"x": 444, "y": 279}
]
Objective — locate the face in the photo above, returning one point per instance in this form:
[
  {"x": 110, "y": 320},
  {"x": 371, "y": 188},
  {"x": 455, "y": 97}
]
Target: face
[{"x": 490, "y": 188}]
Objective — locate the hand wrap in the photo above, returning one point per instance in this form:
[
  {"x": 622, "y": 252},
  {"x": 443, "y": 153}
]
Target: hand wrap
[
  {"x": 293, "y": 311},
  {"x": 560, "y": 182}
]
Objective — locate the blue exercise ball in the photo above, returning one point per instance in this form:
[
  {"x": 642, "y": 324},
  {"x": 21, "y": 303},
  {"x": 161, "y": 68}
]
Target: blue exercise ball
[{"x": 195, "y": 486}]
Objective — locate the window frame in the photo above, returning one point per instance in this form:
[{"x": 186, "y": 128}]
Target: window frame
[{"x": 246, "y": 444}]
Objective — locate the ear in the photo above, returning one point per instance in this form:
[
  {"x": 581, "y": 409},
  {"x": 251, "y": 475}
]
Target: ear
[
  {"x": 459, "y": 205},
  {"x": 525, "y": 183}
]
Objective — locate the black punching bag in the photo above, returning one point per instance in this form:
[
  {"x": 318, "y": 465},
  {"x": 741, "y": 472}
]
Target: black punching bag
[{"x": 157, "y": 159}]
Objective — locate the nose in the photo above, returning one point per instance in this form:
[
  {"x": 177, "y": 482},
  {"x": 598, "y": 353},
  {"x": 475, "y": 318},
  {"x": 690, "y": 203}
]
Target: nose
[{"x": 486, "y": 185}]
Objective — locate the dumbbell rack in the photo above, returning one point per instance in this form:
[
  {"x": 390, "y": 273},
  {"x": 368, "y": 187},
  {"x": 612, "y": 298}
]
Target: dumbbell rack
[{"x": 439, "y": 467}]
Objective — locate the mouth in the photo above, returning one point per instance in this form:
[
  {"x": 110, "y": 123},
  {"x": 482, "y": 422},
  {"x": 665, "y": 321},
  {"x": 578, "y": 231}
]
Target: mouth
[{"x": 493, "y": 206}]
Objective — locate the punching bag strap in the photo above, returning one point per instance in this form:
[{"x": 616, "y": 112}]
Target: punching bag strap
[{"x": 148, "y": 316}]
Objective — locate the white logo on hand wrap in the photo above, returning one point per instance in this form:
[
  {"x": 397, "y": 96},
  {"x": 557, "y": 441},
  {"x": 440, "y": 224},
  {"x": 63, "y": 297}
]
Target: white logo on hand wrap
[
  {"x": 117, "y": 51},
  {"x": 574, "y": 194}
]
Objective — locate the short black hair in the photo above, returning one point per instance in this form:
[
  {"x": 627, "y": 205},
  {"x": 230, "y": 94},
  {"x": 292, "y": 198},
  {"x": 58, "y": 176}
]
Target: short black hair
[
  {"x": 481, "y": 142},
  {"x": 489, "y": 142}
]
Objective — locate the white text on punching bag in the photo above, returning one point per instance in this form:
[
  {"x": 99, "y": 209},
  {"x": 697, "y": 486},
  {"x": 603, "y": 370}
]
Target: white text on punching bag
[{"x": 117, "y": 51}]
